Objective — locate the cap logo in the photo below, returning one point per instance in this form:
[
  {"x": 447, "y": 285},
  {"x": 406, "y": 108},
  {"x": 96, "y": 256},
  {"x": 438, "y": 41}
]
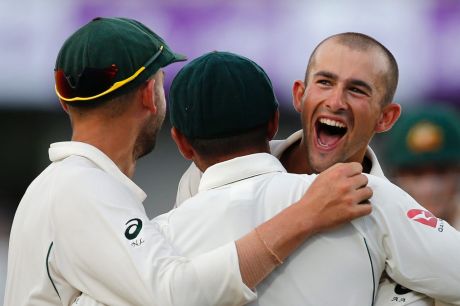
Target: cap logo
[
  {"x": 425, "y": 137},
  {"x": 423, "y": 216}
]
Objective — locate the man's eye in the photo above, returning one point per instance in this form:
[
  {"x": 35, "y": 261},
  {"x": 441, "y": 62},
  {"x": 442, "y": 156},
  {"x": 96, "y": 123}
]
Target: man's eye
[
  {"x": 324, "y": 82},
  {"x": 357, "y": 90}
]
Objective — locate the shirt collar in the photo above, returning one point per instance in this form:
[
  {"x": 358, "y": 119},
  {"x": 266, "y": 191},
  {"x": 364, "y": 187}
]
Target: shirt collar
[
  {"x": 238, "y": 169},
  {"x": 376, "y": 169},
  {"x": 279, "y": 146},
  {"x": 61, "y": 150}
]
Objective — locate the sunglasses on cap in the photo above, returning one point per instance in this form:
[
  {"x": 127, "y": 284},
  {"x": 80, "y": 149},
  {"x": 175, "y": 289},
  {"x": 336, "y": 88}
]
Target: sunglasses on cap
[{"x": 93, "y": 83}]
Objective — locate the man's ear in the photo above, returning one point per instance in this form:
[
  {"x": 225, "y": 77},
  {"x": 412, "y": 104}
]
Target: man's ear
[
  {"x": 273, "y": 125},
  {"x": 182, "y": 144},
  {"x": 64, "y": 106},
  {"x": 298, "y": 90},
  {"x": 148, "y": 96},
  {"x": 388, "y": 117}
]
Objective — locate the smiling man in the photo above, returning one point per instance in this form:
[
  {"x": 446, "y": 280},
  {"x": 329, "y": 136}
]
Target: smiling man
[{"x": 344, "y": 100}]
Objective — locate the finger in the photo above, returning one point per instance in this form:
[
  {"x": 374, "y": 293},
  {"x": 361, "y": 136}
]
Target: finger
[
  {"x": 360, "y": 211},
  {"x": 365, "y": 202},
  {"x": 358, "y": 181},
  {"x": 351, "y": 169},
  {"x": 362, "y": 195},
  {"x": 340, "y": 170}
]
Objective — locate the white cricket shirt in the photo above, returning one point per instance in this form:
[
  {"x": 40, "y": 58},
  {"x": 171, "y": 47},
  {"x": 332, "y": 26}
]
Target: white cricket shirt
[
  {"x": 81, "y": 226},
  {"x": 388, "y": 293},
  {"x": 340, "y": 267}
]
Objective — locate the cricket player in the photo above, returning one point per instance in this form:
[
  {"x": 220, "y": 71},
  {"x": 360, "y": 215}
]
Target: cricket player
[
  {"x": 242, "y": 185},
  {"x": 81, "y": 225},
  {"x": 345, "y": 98}
]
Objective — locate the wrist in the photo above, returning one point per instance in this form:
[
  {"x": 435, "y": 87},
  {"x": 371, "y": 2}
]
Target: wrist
[{"x": 286, "y": 231}]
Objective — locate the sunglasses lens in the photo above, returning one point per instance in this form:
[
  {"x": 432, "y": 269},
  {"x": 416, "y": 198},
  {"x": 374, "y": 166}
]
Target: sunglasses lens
[{"x": 91, "y": 82}]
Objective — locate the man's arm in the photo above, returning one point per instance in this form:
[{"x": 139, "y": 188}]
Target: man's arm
[
  {"x": 105, "y": 245},
  {"x": 331, "y": 200}
]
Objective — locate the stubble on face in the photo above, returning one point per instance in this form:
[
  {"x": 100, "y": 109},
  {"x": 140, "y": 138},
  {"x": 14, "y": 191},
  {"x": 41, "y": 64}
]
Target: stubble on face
[{"x": 146, "y": 140}]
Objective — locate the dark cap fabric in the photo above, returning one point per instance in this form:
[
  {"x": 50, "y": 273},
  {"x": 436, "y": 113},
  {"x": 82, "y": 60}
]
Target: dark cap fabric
[
  {"x": 123, "y": 42},
  {"x": 220, "y": 94},
  {"x": 425, "y": 136}
]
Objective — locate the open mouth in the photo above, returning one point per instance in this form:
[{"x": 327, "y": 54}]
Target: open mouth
[{"x": 329, "y": 132}]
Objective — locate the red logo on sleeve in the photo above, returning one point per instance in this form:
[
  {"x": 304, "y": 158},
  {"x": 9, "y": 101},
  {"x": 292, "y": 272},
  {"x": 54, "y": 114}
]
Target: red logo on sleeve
[{"x": 423, "y": 216}]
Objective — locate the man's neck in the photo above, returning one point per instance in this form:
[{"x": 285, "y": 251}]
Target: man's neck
[
  {"x": 294, "y": 160},
  {"x": 118, "y": 145}
]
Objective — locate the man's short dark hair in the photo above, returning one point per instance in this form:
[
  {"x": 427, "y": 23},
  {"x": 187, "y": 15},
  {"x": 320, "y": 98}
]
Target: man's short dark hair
[
  {"x": 362, "y": 42},
  {"x": 113, "y": 106},
  {"x": 215, "y": 147}
]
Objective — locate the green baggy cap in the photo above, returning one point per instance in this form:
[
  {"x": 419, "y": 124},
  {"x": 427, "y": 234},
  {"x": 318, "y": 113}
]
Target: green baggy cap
[
  {"x": 428, "y": 135},
  {"x": 106, "y": 51},
  {"x": 220, "y": 94}
]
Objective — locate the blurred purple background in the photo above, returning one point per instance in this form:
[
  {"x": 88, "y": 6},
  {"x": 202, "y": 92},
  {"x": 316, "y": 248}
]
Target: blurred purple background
[{"x": 424, "y": 36}]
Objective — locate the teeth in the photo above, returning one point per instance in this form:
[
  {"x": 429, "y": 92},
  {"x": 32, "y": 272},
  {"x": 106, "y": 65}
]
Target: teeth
[{"x": 332, "y": 122}]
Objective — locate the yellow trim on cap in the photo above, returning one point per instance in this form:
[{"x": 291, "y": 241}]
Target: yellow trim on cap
[{"x": 115, "y": 86}]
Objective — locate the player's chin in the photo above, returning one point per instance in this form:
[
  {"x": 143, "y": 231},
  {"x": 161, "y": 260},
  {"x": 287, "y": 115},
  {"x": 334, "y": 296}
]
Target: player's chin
[{"x": 322, "y": 161}]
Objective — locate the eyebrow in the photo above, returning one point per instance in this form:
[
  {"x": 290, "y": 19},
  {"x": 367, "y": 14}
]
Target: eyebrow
[
  {"x": 333, "y": 76},
  {"x": 361, "y": 83},
  {"x": 326, "y": 74}
]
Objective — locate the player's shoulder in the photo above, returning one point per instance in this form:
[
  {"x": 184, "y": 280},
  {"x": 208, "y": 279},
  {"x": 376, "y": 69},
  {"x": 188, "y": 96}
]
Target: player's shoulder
[
  {"x": 389, "y": 199},
  {"x": 377, "y": 180},
  {"x": 383, "y": 187},
  {"x": 79, "y": 182},
  {"x": 287, "y": 187},
  {"x": 68, "y": 175},
  {"x": 82, "y": 170},
  {"x": 293, "y": 178},
  {"x": 286, "y": 181}
]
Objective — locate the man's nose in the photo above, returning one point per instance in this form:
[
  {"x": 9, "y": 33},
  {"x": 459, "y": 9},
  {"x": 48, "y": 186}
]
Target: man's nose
[{"x": 337, "y": 101}]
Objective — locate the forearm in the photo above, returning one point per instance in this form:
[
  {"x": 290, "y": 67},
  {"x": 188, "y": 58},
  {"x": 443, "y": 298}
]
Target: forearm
[
  {"x": 332, "y": 199},
  {"x": 266, "y": 247}
]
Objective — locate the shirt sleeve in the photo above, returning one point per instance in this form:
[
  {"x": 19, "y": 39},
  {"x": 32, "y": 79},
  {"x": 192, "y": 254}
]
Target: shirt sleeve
[
  {"x": 421, "y": 251},
  {"x": 105, "y": 245},
  {"x": 188, "y": 184}
]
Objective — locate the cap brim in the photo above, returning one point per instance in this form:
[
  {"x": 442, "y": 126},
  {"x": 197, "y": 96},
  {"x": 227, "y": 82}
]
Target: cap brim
[
  {"x": 173, "y": 58},
  {"x": 179, "y": 58}
]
